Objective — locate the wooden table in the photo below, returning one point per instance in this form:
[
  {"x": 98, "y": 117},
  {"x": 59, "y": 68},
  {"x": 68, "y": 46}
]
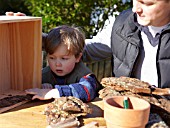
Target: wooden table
[{"x": 30, "y": 115}]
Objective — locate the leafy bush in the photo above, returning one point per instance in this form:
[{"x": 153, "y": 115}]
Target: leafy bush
[
  {"x": 88, "y": 14},
  {"x": 83, "y": 13}
]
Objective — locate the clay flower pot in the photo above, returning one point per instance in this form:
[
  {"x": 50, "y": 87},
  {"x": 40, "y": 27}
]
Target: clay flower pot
[{"x": 116, "y": 116}]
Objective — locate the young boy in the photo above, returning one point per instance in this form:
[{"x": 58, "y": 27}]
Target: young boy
[{"x": 66, "y": 72}]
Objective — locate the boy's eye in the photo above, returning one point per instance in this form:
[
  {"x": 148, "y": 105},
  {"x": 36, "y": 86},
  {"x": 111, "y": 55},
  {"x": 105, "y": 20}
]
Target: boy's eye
[
  {"x": 51, "y": 57},
  {"x": 65, "y": 58}
]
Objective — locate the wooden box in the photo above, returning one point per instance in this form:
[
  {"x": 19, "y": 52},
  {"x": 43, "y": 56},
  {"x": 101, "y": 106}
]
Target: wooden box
[{"x": 20, "y": 53}]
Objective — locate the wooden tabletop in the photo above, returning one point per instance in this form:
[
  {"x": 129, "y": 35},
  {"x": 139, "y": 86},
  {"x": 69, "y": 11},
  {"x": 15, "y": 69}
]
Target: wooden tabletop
[{"x": 30, "y": 115}]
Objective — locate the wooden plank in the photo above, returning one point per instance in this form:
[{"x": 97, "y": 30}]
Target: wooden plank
[
  {"x": 13, "y": 106},
  {"x": 20, "y": 52},
  {"x": 30, "y": 115},
  {"x": 5, "y": 58},
  {"x": 12, "y": 19},
  {"x": 25, "y": 56},
  {"x": 11, "y": 93}
]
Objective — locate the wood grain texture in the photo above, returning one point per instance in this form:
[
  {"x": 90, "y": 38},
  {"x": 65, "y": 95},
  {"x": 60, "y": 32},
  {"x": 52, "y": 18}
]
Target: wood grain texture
[
  {"x": 11, "y": 93},
  {"x": 30, "y": 115},
  {"x": 20, "y": 52}
]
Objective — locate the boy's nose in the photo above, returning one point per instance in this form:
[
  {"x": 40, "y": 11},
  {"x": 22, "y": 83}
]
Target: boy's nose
[{"x": 58, "y": 63}]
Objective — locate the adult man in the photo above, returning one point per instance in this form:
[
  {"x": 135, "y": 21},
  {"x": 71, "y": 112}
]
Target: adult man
[{"x": 139, "y": 51}]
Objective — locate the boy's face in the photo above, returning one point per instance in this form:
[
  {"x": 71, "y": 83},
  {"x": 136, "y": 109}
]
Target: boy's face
[
  {"x": 152, "y": 12},
  {"x": 60, "y": 62}
]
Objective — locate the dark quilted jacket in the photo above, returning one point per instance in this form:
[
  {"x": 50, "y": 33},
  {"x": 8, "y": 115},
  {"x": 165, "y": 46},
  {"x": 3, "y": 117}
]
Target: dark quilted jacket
[{"x": 126, "y": 43}]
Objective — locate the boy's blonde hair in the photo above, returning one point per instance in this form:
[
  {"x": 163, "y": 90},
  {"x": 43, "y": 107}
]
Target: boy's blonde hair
[{"x": 71, "y": 36}]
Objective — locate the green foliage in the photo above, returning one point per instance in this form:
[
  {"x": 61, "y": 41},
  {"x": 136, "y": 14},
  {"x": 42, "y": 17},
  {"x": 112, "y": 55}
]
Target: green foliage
[
  {"x": 58, "y": 12},
  {"x": 75, "y": 12},
  {"x": 90, "y": 15}
]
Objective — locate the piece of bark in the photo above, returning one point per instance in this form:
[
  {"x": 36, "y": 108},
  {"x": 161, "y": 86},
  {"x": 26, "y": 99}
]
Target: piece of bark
[
  {"x": 65, "y": 108},
  {"x": 134, "y": 85},
  {"x": 67, "y": 123},
  {"x": 126, "y": 83}
]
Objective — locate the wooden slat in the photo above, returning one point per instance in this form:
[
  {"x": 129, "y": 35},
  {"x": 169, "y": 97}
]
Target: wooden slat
[
  {"x": 20, "y": 52},
  {"x": 4, "y": 58},
  {"x": 30, "y": 115},
  {"x": 12, "y": 93},
  {"x": 13, "y": 106},
  {"x": 101, "y": 68},
  {"x": 12, "y": 19}
]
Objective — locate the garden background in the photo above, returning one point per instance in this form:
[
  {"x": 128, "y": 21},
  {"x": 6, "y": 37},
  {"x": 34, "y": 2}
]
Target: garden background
[{"x": 88, "y": 14}]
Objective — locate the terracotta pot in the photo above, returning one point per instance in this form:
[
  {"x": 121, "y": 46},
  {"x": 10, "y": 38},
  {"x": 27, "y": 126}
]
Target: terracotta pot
[{"x": 117, "y": 117}]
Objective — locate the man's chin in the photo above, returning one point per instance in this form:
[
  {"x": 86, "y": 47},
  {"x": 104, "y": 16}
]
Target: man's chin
[{"x": 143, "y": 22}]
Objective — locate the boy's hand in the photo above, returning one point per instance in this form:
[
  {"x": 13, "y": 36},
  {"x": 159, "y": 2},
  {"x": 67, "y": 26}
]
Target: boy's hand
[{"x": 43, "y": 94}]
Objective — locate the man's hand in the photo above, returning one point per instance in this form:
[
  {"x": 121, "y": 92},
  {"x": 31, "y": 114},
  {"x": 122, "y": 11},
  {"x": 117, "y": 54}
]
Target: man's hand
[
  {"x": 43, "y": 94},
  {"x": 14, "y": 14}
]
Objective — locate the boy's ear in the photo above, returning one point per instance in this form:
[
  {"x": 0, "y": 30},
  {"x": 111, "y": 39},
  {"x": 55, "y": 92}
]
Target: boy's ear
[{"x": 78, "y": 58}]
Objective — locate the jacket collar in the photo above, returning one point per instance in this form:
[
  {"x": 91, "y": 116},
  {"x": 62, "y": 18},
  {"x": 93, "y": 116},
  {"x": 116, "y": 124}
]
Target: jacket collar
[{"x": 130, "y": 30}]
